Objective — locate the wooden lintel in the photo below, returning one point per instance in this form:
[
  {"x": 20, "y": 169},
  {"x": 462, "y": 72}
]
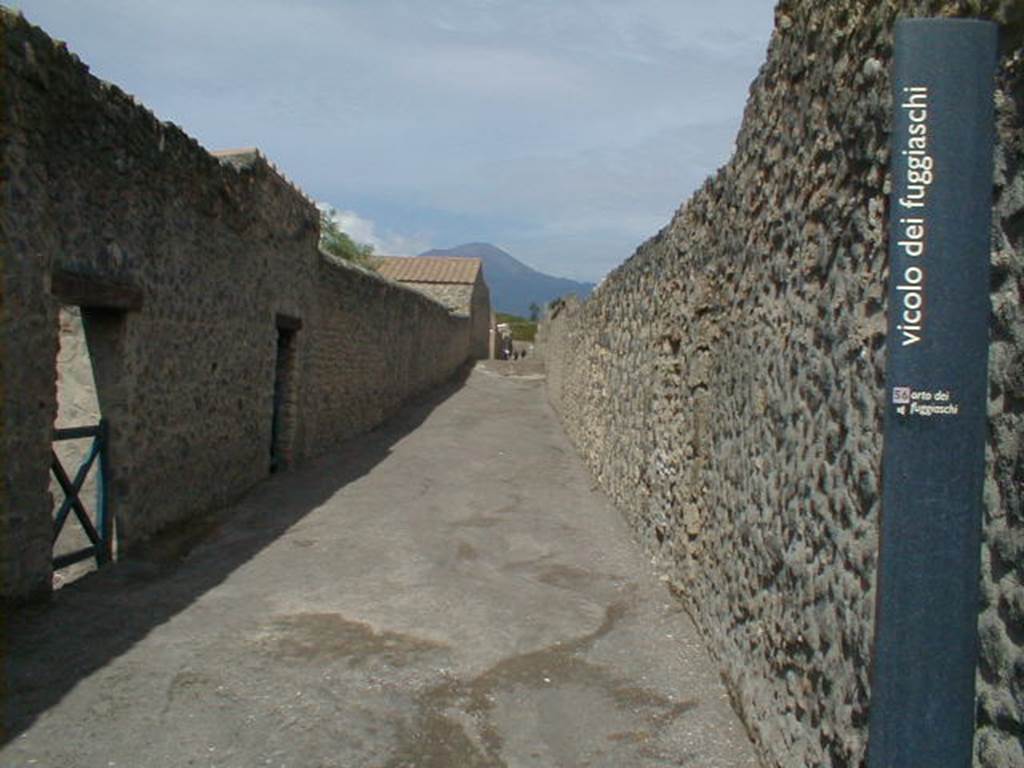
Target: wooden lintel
[
  {"x": 288, "y": 322},
  {"x": 94, "y": 292}
]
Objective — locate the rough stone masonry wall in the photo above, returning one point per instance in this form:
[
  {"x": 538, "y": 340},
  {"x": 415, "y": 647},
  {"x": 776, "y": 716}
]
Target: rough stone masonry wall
[
  {"x": 457, "y": 297},
  {"x": 375, "y": 342},
  {"x": 465, "y": 299},
  {"x": 92, "y": 182},
  {"x": 480, "y": 311},
  {"x": 724, "y": 385}
]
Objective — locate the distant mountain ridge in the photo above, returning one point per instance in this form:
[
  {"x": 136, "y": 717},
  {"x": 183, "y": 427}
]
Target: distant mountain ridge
[{"x": 514, "y": 286}]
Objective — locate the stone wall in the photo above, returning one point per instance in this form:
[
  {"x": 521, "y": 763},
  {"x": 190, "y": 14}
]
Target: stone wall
[
  {"x": 195, "y": 269},
  {"x": 482, "y": 320},
  {"x": 374, "y": 343},
  {"x": 473, "y": 300},
  {"x": 724, "y": 385},
  {"x": 457, "y": 297}
]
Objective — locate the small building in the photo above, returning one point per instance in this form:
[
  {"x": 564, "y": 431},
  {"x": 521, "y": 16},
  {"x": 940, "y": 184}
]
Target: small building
[{"x": 457, "y": 283}]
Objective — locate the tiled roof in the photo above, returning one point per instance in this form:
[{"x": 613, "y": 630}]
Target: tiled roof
[{"x": 428, "y": 269}]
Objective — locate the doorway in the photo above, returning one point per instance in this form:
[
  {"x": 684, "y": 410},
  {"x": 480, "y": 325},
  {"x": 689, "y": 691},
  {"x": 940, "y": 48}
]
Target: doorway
[
  {"x": 285, "y": 409},
  {"x": 87, "y": 380}
]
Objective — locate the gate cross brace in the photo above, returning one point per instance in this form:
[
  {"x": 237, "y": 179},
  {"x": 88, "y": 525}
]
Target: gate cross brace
[{"x": 71, "y": 500}]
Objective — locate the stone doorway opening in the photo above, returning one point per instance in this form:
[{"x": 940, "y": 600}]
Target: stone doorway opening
[
  {"x": 92, "y": 397},
  {"x": 88, "y": 378},
  {"x": 284, "y": 418}
]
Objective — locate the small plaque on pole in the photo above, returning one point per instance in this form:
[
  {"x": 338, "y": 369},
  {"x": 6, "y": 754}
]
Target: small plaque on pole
[{"x": 940, "y": 214}]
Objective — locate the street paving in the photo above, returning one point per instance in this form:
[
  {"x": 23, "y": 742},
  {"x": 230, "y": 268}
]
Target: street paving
[{"x": 449, "y": 590}]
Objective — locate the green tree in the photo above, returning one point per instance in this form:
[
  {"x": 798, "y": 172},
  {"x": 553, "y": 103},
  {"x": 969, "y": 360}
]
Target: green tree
[
  {"x": 339, "y": 244},
  {"x": 534, "y": 312}
]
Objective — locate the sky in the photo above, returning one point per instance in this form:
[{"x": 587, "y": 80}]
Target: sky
[{"x": 564, "y": 131}]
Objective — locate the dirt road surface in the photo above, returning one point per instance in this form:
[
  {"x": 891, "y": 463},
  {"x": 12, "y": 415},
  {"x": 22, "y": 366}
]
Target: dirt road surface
[{"x": 447, "y": 591}]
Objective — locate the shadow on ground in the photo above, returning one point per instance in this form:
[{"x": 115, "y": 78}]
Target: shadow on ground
[{"x": 48, "y": 648}]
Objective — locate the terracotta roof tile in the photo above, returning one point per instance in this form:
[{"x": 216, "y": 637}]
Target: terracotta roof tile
[{"x": 428, "y": 269}]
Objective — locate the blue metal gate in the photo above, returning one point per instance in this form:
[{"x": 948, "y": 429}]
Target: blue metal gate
[{"x": 99, "y": 533}]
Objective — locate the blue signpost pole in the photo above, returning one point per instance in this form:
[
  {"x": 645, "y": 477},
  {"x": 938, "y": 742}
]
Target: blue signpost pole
[{"x": 925, "y": 650}]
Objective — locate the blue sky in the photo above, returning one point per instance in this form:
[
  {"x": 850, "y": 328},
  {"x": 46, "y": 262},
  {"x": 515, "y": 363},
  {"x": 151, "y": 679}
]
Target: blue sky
[{"x": 565, "y": 131}]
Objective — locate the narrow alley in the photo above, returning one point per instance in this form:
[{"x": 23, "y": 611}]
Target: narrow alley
[{"x": 446, "y": 591}]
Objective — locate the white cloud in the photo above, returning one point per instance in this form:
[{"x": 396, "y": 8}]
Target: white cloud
[{"x": 364, "y": 231}]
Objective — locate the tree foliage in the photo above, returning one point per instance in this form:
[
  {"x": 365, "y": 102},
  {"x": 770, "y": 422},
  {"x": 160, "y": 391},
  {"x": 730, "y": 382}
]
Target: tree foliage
[{"x": 339, "y": 244}]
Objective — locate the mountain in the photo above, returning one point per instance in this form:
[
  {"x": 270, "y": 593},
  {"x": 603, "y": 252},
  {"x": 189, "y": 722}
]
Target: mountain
[{"x": 514, "y": 286}]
